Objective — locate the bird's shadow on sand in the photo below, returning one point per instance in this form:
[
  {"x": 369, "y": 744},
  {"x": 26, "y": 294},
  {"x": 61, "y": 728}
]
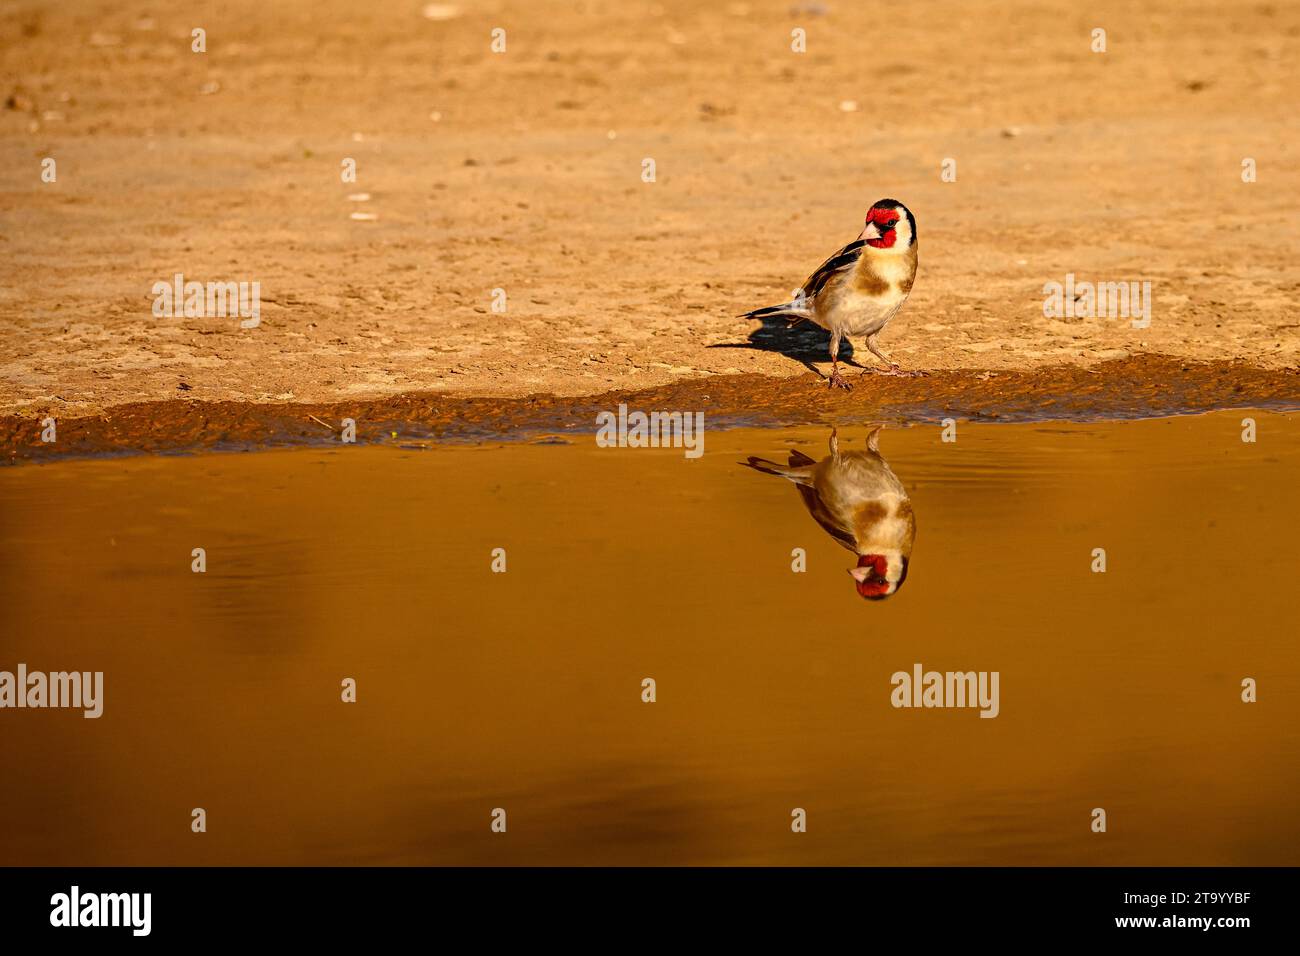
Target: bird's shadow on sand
[{"x": 805, "y": 343}]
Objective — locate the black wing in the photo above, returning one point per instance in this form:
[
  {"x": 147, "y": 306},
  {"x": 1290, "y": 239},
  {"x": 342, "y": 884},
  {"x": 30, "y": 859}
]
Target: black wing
[
  {"x": 846, "y": 258},
  {"x": 822, "y": 515}
]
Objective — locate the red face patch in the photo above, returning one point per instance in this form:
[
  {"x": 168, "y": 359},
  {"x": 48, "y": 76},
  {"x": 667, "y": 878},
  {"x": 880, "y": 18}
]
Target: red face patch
[
  {"x": 874, "y": 586},
  {"x": 886, "y": 220}
]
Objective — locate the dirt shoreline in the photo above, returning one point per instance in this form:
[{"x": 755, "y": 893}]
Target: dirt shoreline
[{"x": 1150, "y": 386}]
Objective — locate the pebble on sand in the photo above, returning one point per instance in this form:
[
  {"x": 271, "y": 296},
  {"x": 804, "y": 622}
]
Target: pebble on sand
[{"x": 441, "y": 11}]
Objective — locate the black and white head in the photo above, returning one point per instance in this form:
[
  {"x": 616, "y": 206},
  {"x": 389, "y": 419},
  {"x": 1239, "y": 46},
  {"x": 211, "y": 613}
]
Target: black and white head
[{"x": 890, "y": 226}]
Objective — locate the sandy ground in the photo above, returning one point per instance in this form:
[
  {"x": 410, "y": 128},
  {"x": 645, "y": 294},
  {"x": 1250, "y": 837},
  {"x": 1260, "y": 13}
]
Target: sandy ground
[{"x": 522, "y": 171}]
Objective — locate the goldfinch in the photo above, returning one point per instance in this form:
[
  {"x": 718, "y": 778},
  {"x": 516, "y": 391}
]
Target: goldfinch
[
  {"x": 859, "y": 501},
  {"x": 859, "y": 289}
]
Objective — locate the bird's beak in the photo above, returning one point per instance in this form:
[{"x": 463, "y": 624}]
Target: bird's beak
[
  {"x": 872, "y": 231},
  {"x": 859, "y": 574}
]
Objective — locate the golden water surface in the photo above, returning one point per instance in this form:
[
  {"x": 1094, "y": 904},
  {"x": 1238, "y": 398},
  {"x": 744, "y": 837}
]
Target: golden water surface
[{"x": 522, "y": 690}]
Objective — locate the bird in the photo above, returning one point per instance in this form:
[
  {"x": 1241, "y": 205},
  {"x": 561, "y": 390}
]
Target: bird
[
  {"x": 859, "y": 289},
  {"x": 859, "y": 501}
]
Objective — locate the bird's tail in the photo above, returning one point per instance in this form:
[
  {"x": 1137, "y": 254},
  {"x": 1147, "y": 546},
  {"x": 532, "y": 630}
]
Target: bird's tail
[
  {"x": 798, "y": 470},
  {"x": 796, "y": 311}
]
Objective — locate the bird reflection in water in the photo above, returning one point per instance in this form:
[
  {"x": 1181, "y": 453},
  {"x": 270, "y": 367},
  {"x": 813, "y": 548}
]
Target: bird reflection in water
[{"x": 858, "y": 501}]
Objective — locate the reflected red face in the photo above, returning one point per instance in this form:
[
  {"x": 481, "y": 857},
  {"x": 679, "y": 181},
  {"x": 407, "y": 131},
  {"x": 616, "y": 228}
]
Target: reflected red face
[
  {"x": 874, "y": 586},
  {"x": 885, "y": 219}
]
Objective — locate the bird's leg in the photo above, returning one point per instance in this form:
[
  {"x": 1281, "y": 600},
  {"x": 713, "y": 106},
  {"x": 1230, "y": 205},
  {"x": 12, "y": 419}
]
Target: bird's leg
[
  {"x": 894, "y": 368},
  {"x": 836, "y": 380},
  {"x": 835, "y": 442},
  {"x": 875, "y": 350}
]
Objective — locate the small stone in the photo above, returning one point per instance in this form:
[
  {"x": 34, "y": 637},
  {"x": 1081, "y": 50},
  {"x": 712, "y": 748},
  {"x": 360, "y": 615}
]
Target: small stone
[{"x": 440, "y": 11}]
